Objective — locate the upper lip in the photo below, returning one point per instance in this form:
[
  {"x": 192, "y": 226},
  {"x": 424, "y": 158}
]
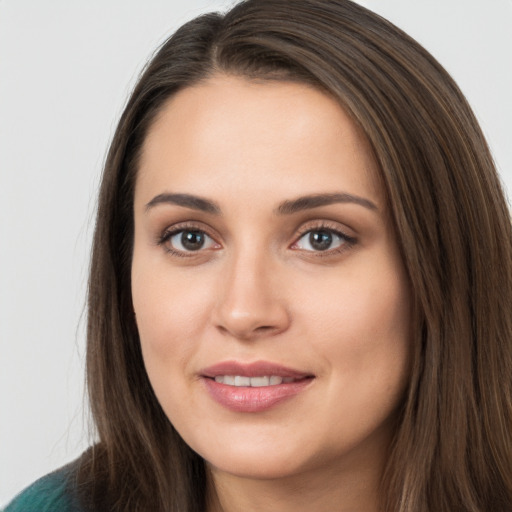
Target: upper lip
[{"x": 255, "y": 369}]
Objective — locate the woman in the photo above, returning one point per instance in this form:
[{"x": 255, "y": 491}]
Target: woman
[{"x": 300, "y": 282}]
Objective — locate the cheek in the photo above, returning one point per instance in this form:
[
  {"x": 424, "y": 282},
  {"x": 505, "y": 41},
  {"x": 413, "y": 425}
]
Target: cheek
[
  {"x": 170, "y": 318},
  {"x": 361, "y": 327},
  {"x": 365, "y": 343},
  {"x": 368, "y": 305},
  {"x": 171, "y": 314}
]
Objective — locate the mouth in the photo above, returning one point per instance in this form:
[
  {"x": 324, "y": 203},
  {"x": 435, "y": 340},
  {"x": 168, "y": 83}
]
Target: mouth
[
  {"x": 253, "y": 387},
  {"x": 253, "y": 382}
]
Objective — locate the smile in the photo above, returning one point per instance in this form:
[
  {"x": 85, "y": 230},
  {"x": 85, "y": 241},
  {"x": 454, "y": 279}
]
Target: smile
[
  {"x": 253, "y": 387},
  {"x": 253, "y": 382}
]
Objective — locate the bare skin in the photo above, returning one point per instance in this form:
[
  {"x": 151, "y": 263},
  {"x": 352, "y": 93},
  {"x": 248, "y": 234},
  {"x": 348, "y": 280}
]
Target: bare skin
[
  {"x": 351, "y": 489},
  {"x": 237, "y": 260}
]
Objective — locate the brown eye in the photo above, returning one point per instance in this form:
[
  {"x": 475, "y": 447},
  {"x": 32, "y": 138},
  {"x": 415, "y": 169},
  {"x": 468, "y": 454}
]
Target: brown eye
[
  {"x": 320, "y": 240},
  {"x": 188, "y": 240}
]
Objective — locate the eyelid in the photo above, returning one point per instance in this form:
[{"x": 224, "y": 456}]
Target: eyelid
[
  {"x": 332, "y": 227},
  {"x": 320, "y": 225},
  {"x": 164, "y": 236},
  {"x": 327, "y": 225}
]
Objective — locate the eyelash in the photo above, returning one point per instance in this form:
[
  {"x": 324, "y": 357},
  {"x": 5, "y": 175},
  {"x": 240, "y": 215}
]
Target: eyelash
[
  {"x": 347, "y": 242},
  {"x": 169, "y": 233}
]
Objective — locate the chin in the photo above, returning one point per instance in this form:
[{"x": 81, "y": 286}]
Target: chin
[
  {"x": 258, "y": 458},
  {"x": 259, "y": 467}
]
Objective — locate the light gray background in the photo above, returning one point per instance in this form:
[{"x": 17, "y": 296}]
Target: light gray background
[{"x": 66, "y": 68}]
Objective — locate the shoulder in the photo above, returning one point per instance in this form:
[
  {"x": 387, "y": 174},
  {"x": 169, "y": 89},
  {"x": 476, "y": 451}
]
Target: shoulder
[{"x": 54, "y": 492}]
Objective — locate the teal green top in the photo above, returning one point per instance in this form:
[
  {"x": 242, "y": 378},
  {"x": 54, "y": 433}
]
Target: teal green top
[{"x": 48, "y": 494}]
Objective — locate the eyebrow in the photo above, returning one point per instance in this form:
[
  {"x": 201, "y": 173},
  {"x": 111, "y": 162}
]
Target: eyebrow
[
  {"x": 285, "y": 208},
  {"x": 187, "y": 201},
  {"x": 317, "y": 200}
]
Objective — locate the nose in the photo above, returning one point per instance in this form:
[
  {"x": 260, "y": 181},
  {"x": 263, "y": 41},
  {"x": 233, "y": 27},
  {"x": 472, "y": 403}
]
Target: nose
[{"x": 251, "y": 303}]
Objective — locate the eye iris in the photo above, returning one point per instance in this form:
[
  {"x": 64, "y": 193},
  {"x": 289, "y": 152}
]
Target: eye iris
[
  {"x": 320, "y": 240},
  {"x": 192, "y": 240}
]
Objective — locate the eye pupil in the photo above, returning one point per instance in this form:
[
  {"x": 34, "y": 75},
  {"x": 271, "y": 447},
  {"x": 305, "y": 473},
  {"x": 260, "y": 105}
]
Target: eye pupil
[
  {"x": 320, "y": 240},
  {"x": 192, "y": 240}
]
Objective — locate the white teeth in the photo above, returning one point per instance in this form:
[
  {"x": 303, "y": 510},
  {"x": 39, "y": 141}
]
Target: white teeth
[
  {"x": 242, "y": 381},
  {"x": 255, "y": 382}
]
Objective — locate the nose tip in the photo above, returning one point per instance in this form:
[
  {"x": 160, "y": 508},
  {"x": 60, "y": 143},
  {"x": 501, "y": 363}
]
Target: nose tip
[
  {"x": 251, "y": 306},
  {"x": 245, "y": 325}
]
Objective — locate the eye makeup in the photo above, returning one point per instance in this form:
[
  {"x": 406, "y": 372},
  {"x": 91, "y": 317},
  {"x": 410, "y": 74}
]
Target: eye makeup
[{"x": 319, "y": 239}]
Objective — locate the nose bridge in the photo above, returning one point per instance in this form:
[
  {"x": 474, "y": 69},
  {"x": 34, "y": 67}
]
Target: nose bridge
[{"x": 250, "y": 304}]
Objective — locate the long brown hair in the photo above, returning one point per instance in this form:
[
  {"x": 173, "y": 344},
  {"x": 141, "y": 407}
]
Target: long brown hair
[{"x": 453, "y": 444}]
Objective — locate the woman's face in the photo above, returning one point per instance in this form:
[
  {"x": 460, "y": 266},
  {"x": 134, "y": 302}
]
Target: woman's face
[{"x": 270, "y": 296}]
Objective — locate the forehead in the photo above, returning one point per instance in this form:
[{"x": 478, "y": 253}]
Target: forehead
[{"x": 264, "y": 136}]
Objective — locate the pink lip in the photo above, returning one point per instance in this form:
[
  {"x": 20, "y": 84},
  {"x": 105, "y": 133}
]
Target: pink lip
[
  {"x": 252, "y": 370},
  {"x": 253, "y": 399}
]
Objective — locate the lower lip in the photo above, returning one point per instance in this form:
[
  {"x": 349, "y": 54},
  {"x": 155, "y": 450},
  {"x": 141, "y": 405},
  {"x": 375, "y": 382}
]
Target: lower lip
[{"x": 257, "y": 399}]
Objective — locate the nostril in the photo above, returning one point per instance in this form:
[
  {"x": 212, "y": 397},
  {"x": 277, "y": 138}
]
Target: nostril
[
  {"x": 248, "y": 334},
  {"x": 265, "y": 328}
]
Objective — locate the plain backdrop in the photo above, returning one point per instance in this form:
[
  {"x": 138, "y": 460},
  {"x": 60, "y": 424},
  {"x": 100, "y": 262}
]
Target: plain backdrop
[{"x": 66, "y": 68}]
